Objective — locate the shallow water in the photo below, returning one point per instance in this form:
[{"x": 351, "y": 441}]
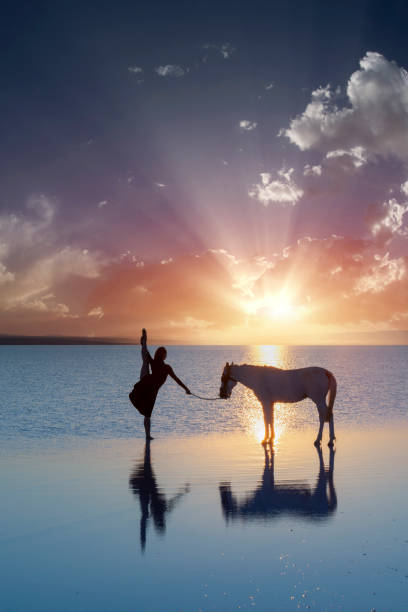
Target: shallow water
[
  {"x": 60, "y": 391},
  {"x": 92, "y": 520},
  {"x": 207, "y": 523}
]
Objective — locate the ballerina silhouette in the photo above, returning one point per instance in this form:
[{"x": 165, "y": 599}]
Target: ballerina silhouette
[{"x": 144, "y": 393}]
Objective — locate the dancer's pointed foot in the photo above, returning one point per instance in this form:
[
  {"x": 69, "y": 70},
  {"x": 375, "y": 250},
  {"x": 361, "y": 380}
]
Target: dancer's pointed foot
[{"x": 143, "y": 338}]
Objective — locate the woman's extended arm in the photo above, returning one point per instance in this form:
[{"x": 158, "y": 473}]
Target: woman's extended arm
[{"x": 178, "y": 381}]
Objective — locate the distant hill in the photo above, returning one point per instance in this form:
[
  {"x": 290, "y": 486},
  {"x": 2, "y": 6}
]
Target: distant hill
[
  {"x": 380, "y": 338},
  {"x": 9, "y": 339}
]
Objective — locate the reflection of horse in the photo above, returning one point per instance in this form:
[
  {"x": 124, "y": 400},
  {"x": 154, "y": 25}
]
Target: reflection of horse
[
  {"x": 272, "y": 499},
  {"x": 142, "y": 482},
  {"x": 272, "y": 385}
]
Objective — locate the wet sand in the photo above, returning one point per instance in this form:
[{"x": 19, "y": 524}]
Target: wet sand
[{"x": 206, "y": 523}]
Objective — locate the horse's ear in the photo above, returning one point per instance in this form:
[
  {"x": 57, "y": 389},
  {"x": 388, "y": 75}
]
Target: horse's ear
[
  {"x": 232, "y": 363},
  {"x": 227, "y": 364}
]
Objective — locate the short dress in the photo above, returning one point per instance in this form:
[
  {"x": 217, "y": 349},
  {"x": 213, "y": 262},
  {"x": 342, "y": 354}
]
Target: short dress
[{"x": 144, "y": 393}]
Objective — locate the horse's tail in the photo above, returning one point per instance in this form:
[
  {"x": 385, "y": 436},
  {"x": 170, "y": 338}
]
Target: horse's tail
[{"x": 332, "y": 395}]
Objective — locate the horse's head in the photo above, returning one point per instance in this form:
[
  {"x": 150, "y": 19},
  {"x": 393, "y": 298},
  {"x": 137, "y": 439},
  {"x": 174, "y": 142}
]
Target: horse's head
[{"x": 227, "y": 382}]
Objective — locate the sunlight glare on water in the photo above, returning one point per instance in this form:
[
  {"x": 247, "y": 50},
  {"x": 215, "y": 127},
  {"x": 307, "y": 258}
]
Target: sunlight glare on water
[{"x": 252, "y": 415}]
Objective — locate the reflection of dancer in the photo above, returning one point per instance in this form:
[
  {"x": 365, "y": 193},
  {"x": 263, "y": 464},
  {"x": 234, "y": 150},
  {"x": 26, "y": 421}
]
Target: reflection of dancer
[
  {"x": 145, "y": 391},
  {"x": 153, "y": 503},
  {"x": 270, "y": 499}
]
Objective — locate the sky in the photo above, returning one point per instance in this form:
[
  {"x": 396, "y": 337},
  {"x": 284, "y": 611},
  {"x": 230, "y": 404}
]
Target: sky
[{"x": 217, "y": 172}]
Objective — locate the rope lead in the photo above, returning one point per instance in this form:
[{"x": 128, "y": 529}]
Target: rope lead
[{"x": 208, "y": 399}]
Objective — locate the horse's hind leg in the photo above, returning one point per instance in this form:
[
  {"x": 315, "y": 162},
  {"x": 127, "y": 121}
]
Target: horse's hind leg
[
  {"x": 321, "y": 407},
  {"x": 331, "y": 429}
]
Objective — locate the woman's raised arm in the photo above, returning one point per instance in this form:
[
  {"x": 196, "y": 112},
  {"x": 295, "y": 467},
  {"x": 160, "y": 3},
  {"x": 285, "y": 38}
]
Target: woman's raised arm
[{"x": 178, "y": 381}]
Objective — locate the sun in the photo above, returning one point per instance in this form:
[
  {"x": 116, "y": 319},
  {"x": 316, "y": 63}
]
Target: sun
[{"x": 280, "y": 306}]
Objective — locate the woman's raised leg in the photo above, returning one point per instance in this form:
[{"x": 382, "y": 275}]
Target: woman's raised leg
[{"x": 145, "y": 355}]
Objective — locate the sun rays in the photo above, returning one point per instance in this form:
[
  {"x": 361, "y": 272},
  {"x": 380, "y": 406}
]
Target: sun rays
[{"x": 280, "y": 306}]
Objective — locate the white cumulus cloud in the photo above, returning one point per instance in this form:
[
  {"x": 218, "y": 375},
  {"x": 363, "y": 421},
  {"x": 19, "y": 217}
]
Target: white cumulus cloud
[
  {"x": 392, "y": 221},
  {"x": 375, "y": 117},
  {"x": 247, "y": 126},
  {"x": 282, "y": 190},
  {"x": 312, "y": 170},
  {"x": 354, "y": 157},
  {"x": 171, "y": 70},
  {"x": 96, "y": 312}
]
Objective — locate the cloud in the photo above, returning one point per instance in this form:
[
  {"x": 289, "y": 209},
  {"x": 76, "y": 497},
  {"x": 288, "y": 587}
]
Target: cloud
[
  {"x": 19, "y": 232},
  {"x": 283, "y": 190},
  {"x": 218, "y": 297},
  {"x": 375, "y": 118},
  {"x": 44, "y": 306},
  {"x": 225, "y": 49},
  {"x": 140, "y": 289},
  {"x": 338, "y": 281},
  {"x": 243, "y": 273},
  {"x": 384, "y": 272},
  {"x": 171, "y": 70},
  {"x": 390, "y": 221},
  {"x": 96, "y": 312},
  {"x": 135, "y": 69},
  {"x": 5, "y": 275},
  {"x": 404, "y": 188},
  {"x": 191, "y": 322},
  {"x": 269, "y": 86},
  {"x": 312, "y": 170},
  {"x": 102, "y": 203},
  {"x": 33, "y": 261},
  {"x": 247, "y": 126},
  {"x": 354, "y": 157}
]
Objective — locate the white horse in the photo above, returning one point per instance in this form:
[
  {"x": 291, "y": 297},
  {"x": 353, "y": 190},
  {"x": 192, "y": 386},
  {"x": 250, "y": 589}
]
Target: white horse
[{"x": 272, "y": 385}]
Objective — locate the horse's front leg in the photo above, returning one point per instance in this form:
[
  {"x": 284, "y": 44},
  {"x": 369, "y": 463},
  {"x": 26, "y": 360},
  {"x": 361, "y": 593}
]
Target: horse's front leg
[
  {"x": 265, "y": 408},
  {"x": 272, "y": 421}
]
